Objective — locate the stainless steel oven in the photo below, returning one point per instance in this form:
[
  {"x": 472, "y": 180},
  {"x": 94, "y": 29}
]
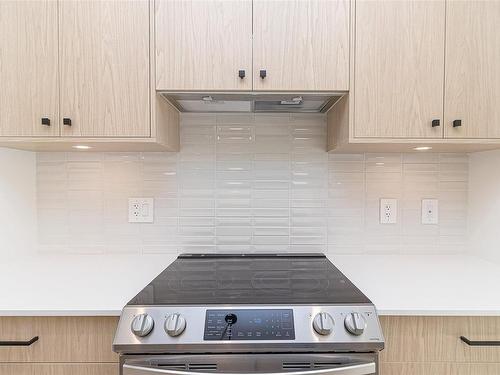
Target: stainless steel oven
[
  {"x": 244, "y": 314},
  {"x": 242, "y": 364}
]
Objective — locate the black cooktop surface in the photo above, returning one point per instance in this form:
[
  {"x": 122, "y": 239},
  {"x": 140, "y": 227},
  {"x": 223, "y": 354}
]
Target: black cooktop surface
[{"x": 209, "y": 279}]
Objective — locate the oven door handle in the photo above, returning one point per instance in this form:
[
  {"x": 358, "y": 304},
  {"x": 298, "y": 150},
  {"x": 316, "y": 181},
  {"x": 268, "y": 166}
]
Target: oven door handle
[{"x": 357, "y": 369}]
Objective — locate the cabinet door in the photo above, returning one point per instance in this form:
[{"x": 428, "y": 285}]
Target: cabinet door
[
  {"x": 302, "y": 45},
  {"x": 203, "y": 44},
  {"x": 28, "y": 68},
  {"x": 61, "y": 339},
  {"x": 104, "y": 49},
  {"x": 472, "y": 91},
  {"x": 59, "y": 369},
  {"x": 399, "y": 68}
]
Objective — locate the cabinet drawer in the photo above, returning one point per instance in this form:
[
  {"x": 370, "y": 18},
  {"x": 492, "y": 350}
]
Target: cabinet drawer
[
  {"x": 439, "y": 369},
  {"x": 61, "y": 339},
  {"x": 437, "y": 339},
  {"x": 59, "y": 369}
]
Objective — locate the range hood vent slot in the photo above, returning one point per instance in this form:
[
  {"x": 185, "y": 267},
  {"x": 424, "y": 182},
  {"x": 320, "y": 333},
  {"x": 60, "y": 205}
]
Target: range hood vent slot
[{"x": 231, "y": 102}]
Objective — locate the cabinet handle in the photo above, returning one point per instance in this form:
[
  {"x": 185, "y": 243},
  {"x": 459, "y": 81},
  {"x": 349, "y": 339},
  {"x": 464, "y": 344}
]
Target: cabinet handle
[
  {"x": 19, "y": 343},
  {"x": 457, "y": 123},
  {"x": 241, "y": 74},
  {"x": 479, "y": 343},
  {"x": 436, "y": 123},
  {"x": 263, "y": 74},
  {"x": 46, "y": 121},
  {"x": 67, "y": 121}
]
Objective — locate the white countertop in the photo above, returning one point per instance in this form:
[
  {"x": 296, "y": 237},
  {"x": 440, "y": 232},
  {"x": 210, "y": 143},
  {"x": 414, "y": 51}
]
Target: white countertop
[{"x": 102, "y": 285}]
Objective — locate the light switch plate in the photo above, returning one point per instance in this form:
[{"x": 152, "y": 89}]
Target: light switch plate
[
  {"x": 430, "y": 211},
  {"x": 388, "y": 211},
  {"x": 140, "y": 210}
]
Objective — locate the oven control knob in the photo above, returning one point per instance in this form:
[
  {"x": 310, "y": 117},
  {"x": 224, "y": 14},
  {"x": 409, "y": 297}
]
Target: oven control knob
[
  {"x": 142, "y": 325},
  {"x": 175, "y": 324},
  {"x": 355, "y": 323},
  {"x": 323, "y": 323}
]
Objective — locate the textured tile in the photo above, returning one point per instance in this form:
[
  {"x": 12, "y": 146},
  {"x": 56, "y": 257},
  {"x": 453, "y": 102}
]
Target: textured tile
[{"x": 250, "y": 182}]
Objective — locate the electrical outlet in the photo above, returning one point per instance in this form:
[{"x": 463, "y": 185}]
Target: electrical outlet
[
  {"x": 430, "y": 211},
  {"x": 140, "y": 210},
  {"x": 388, "y": 211}
]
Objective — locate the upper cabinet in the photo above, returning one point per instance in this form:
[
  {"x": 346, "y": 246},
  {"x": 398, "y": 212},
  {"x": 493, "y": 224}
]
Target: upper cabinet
[
  {"x": 104, "y": 55},
  {"x": 29, "y": 94},
  {"x": 80, "y": 73},
  {"x": 472, "y": 83},
  {"x": 203, "y": 44},
  {"x": 301, "y": 45},
  {"x": 207, "y": 45},
  {"x": 424, "y": 73},
  {"x": 399, "y": 69}
]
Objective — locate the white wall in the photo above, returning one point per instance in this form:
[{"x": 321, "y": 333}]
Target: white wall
[
  {"x": 250, "y": 183},
  {"x": 484, "y": 205},
  {"x": 17, "y": 202}
]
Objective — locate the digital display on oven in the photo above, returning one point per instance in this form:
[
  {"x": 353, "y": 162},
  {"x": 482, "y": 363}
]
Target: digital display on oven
[{"x": 252, "y": 324}]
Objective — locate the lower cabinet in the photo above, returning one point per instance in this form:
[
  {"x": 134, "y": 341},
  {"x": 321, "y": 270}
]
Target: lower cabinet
[
  {"x": 60, "y": 345},
  {"x": 415, "y": 345},
  {"x": 421, "y": 345},
  {"x": 59, "y": 369},
  {"x": 439, "y": 369}
]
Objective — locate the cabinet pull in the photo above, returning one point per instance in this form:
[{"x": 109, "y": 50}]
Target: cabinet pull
[
  {"x": 263, "y": 74},
  {"x": 67, "y": 121},
  {"x": 241, "y": 74},
  {"x": 19, "y": 343},
  {"x": 457, "y": 123},
  {"x": 46, "y": 121},
  {"x": 436, "y": 123},
  {"x": 479, "y": 343}
]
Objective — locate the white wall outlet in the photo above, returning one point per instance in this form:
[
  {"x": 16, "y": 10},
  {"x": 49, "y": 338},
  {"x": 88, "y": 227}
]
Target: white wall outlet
[
  {"x": 140, "y": 210},
  {"x": 430, "y": 211},
  {"x": 388, "y": 211}
]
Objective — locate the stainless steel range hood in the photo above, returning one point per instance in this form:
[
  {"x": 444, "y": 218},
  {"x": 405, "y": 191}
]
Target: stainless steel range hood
[{"x": 258, "y": 102}]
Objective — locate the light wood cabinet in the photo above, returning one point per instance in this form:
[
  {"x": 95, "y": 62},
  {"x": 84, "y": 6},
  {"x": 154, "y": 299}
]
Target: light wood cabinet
[
  {"x": 59, "y": 369},
  {"x": 472, "y": 89},
  {"x": 104, "y": 54},
  {"x": 438, "y": 369},
  {"x": 420, "y": 345},
  {"x": 28, "y": 68},
  {"x": 203, "y": 44},
  {"x": 416, "y": 67},
  {"x": 88, "y": 67},
  {"x": 302, "y": 45},
  {"x": 78, "y": 345},
  {"x": 399, "y": 68},
  {"x": 61, "y": 339}
]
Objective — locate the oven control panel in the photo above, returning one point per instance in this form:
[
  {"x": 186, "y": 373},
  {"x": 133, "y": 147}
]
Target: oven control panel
[{"x": 249, "y": 324}]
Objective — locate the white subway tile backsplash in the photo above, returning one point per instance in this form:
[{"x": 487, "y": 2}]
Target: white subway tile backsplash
[{"x": 250, "y": 182}]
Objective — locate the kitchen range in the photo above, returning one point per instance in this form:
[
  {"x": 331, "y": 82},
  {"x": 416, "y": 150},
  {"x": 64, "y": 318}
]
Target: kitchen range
[{"x": 249, "y": 313}]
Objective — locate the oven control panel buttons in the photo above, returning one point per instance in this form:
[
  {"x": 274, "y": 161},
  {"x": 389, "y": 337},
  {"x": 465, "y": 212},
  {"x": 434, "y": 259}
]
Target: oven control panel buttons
[
  {"x": 175, "y": 324},
  {"x": 355, "y": 323},
  {"x": 142, "y": 325},
  {"x": 323, "y": 323},
  {"x": 249, "y": 324}
]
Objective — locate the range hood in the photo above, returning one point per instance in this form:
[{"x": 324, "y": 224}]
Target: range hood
[{"x": 258, "y": 102}]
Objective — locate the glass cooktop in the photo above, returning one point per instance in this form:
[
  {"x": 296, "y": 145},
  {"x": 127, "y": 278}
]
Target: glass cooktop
[{"x": 256, "y": 279}]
